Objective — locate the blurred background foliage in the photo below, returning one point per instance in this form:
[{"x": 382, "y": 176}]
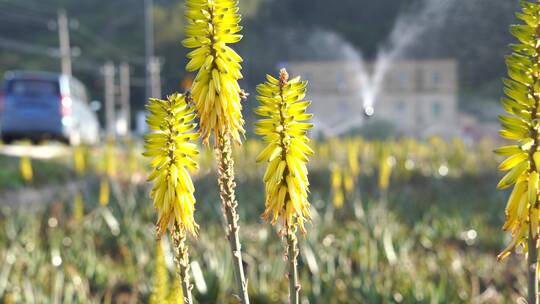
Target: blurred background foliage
[
  {"x": 474, "y": 32},
  {"x": 405, "y": 221}
]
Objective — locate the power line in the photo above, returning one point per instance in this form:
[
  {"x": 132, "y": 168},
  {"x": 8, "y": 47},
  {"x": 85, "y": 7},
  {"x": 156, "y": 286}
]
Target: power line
[
  {"x": 40, "y": 14},
  {"x": 33, "y": 7},
  {"x": 21, "y": 17},
  {"x": 120, "y": 52},
  {"x": 80, "y": 64},
  {"x": 28, "y": 48},
  {"x": 82, "y": 30}
]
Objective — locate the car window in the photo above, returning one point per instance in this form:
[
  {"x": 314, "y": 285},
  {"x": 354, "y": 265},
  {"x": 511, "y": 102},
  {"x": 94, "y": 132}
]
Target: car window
[{"x": 27, "y": 87}]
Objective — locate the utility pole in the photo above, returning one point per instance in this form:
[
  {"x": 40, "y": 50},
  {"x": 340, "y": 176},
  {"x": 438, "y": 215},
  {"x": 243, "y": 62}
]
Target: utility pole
[
  {"x": 155, "y": 77},
  {"x": 65, "y": 48},
  {"x": 149, "y": 44},
  {"x": 124, "y": 97},
  {"x": 110, "y": 121}
]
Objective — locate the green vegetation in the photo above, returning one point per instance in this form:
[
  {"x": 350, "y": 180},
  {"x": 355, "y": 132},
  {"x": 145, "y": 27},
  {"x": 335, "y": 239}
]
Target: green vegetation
[{"x": 433, "y": 241}]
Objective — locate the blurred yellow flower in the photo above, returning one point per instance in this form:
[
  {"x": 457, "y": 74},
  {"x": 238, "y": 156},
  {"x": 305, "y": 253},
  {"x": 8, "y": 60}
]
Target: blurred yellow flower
[
  {"x": 352, "y": 158},
  {"x": 78, "y": 207},
  {"x": 385, "y": 171},
  {"x": 285, "y": 131},
  {"x": 104, "y": 191},
  {"x": 349, "y": 182},
  {"x": 337, "y": 189},
  {"x": 172, "y": 154},
  {"x": 79, "y": 159},
  {"x": 25, "y": 164}
]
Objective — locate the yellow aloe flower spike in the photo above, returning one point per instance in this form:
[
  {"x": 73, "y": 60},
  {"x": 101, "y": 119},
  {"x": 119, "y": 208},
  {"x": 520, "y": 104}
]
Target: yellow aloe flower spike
[
  {"x": 212, "y": 25},
  {"x": 521, "y": 125},
  {"x": 285, "y": 131},
  {"x": 172, "y": 155},
  {"x": 522, "y": 104}
]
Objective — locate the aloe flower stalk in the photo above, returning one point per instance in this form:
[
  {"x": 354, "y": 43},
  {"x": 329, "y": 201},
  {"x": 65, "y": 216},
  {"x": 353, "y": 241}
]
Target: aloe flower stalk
[
  {"x": 211, "y": 26},
  {"x": 286, "y": 184},
  {"x": 172, "y": 155},
  {"x": 161, "y": 278},
  {"x": 522, "y": 103},
  {"x": 181, "y": 257}
]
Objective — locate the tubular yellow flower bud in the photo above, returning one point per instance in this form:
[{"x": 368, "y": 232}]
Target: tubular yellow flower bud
[
  {"x": 285, "y": 131},
  {"x": 212, "y": 24},
  {"x": 172, "y": 155}
]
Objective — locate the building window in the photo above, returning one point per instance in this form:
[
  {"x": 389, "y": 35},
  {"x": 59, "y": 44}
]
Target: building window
[
  {"x": 401, "y": 106},
  {"x": 436, "y": 79},
  {"x": 404, "y": 80},
  {"x": 436, "y": 108},
  {"x": 341, "y": 84}
]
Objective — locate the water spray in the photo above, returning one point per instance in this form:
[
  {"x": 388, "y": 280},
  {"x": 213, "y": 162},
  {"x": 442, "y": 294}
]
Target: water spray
[
  {"x": 369, "y": 77},
  {"x": 368, "y": 111}
]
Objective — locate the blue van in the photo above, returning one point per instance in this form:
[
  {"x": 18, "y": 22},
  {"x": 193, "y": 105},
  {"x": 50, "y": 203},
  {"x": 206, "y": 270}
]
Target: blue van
[{"x": 42, "y": 105}]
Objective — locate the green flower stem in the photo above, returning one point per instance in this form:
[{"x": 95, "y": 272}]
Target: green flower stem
[
  {"x": 181, "y": 256},
  {"x": 292, "y": 257},
  {"x": 532, "y": 269},
  {"x": 227, "y": 185},
  {"x": 532, "y": 256}
]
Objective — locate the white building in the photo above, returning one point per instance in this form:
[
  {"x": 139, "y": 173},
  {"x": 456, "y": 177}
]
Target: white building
[{"x": 419, "y": 97}]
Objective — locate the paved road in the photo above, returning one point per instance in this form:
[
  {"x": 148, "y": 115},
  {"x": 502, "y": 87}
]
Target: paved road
[{"x": 36, "y": 151}]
